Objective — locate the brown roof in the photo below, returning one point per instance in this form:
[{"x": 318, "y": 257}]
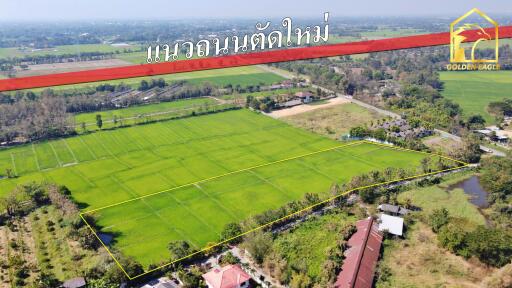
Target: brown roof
[
  {"x": 230, "y": 276},
  {"x": 303, "y": 94},
  {"x": 361, "y": 258}
]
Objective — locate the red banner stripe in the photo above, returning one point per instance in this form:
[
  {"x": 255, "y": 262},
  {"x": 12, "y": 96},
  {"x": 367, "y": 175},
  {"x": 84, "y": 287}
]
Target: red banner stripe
[{"x": 237, "y": 60}]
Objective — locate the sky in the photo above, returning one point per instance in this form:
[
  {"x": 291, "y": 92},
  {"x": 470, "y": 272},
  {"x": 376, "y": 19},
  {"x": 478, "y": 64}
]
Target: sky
[{"x": 66, "y": 10}]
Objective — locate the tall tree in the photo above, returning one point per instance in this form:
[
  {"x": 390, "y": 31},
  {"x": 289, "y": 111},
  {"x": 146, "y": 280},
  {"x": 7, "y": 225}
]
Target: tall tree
[{"x": 99, "y": 121}]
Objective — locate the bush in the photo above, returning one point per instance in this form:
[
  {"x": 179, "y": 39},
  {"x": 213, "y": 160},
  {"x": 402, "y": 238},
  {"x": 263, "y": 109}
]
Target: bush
[
  {"x": 21, "y": 272},
  {"x": 229, "y": 258},
  {"x": 438, "y": 219}
]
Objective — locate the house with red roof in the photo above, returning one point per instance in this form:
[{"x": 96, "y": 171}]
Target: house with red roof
[
  {"x": 361, "y": 257},
  {"x": 304, "y": 96},
  {"x": 231, "y": 276}
]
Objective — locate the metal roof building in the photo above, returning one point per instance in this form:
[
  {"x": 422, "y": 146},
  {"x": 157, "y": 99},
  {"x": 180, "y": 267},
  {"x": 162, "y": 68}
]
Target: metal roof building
[
  {"x": 392, "y": 224},
  {"x": 361, "y": 258}
]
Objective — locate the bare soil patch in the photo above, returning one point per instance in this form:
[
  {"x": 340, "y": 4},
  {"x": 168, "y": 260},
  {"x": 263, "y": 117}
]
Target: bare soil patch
[{"x": 308, "y": 107}]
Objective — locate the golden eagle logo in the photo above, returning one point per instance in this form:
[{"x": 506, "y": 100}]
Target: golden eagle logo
[{"x": 460, "y": 53}]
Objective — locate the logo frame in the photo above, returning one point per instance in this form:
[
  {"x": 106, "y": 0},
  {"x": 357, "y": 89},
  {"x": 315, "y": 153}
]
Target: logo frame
[{"x": 455, "y": 45}]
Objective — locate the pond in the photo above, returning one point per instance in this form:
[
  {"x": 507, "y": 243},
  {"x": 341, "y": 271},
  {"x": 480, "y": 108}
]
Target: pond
[
  {"x": 105, "y": 238},
  {"x": 472, "y": 187}
]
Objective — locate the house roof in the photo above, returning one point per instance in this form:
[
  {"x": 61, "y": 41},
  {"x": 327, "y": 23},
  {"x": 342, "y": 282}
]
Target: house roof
[
  {"x": 74, "y": 283},
  {"x": 361, "y": 258},
  {"x": 230, "y": 276},
  {"x": 393, "y": 209},
  {"x": 162, "y": 282},
  {"x": 389, "y": 208},
  {"x": 392, "y": 224},
  {"x": 303, "y": 94}
]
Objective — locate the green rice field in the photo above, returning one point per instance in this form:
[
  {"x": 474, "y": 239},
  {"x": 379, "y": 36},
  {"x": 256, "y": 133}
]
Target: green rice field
[
  {"x": 474, "y": 90},
  {"x": 244, "y": 76},
  {"x": 63, "y": 49},
  {"x": 196, "y": 174},
  {"x": 134, "y": 111}
]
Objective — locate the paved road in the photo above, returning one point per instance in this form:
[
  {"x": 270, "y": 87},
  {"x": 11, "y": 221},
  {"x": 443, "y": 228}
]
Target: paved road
[{"x": 382, "y": 111}]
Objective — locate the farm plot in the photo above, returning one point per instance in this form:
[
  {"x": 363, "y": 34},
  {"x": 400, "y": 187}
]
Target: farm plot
[
  {"x": 198, "y": 211},
  {"x": 474, "y": 90},
  {"x": 247, "y": 75},
  {"x": 186, "y": 179},
  {"x": 134, "y": 111}
]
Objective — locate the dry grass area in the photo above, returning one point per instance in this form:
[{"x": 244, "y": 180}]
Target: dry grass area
[
  {"x": 308, "y": 107},
  {"x": 42, "y": 69},
  {"x": 418, "y": 262},
  {"x": 333, "y": 121},
  {"x": 441, "y": 144},
  {"x": 4, "y": 273}
]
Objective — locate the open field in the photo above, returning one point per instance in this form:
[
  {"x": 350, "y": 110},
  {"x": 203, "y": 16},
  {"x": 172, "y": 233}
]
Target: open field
[
  {"x": 198, "y": 211},
  {"x": 260, "y": 94},
  {"x": 309, "y": 107},
  {"x": 248, "y": 75},
  {"x": 63, "y": 49},
  {"x": 435, "y": 197},
  {"x": 432, "y": 265},
  {"x": 134, "y": 111},
  {"x": 418, "y": 261},
  {"x": 109, "y": 167},
  {"x": 333, "y": 121},
  {"x": 386, "y": 32},
  {"x": 41, "y": 69},
  {"x": 474, "y": 90}
]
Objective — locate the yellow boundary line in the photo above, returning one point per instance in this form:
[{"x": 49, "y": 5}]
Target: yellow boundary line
[
  {"x": 222, "y": 175},
  {"x": 463, "y": 165}
]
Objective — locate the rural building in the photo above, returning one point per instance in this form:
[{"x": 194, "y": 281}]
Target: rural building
[
  {"x": 493, "y": 134},
  {"x": 162, "y": 282},
  {"x": 231, "y": 276},
  {"x": 286, "y": 84},
  {"x": 391, "y": 224},
  {"x": 304, "y": 96},
  {"x": 393, "y": 209},
  {"x": 361, "y": 257},
  {"x": 400, "y": 128},
  {"x": 74, "y": 283}
]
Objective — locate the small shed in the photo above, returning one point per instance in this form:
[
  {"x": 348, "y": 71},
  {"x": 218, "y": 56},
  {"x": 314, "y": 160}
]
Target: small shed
[
  {"x": 392, "y": 224},
  {"x": 393, "y": 209}
]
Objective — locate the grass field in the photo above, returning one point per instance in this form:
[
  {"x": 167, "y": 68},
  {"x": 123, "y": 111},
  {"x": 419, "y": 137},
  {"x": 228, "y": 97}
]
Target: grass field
[
  {"x": 433, "y": 266},
  {"x": 248, "y": 75},
  {"x": 197, "y": 212},
  {"x": 261, "y": 94},
  {"x": 435, "y": 197},
  {"x": 474, "y": 90},
  {"x": 134, "y": 111},
  {"x": 109, "y": 167},
  {"x": 63, "y": 49},
  {"x": 430, "y": 266},
  {"x": 333, "y": 121}
]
